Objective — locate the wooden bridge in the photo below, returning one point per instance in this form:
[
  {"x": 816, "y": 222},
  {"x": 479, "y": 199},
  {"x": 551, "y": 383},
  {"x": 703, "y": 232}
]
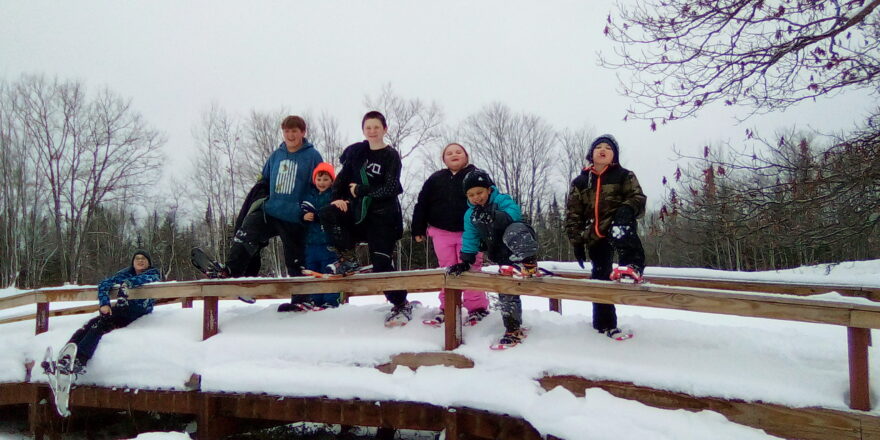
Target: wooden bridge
[{"x": 217, "y": 413}]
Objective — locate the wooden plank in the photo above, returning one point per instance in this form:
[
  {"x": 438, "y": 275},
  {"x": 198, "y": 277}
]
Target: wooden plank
[
  {"x": 859, "y": 386},
  {"x": 19, "y": 300},
  {"x": 680, "y": 298},
  {"x": 785, "y": 287},
  {"x": 79, "y": 310},
  {"x": 210, "y": 317},
  {"x": 426, "y": 359},
  {"x": 800, "y": 423},
  {"x": 42, "y": 318},
  {"x": 452, "y": 321}
]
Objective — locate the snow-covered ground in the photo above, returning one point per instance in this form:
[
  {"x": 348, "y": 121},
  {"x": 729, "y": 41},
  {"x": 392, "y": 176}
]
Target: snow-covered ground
[{"x": 331, "y": 353}]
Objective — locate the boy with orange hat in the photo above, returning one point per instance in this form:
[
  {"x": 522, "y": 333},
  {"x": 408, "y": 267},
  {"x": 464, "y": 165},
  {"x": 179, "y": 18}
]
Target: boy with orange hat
[{"x": 318, "y": 254}]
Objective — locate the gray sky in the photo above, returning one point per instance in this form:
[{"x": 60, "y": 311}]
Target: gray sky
[{"x": 174, "y": 58}]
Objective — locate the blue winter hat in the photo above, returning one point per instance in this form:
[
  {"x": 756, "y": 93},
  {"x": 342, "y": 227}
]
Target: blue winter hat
[{"x": 608, "y": 139}]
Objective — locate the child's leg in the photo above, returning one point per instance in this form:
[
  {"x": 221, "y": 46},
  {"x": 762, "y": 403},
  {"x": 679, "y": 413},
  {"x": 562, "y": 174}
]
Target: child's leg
[
  {"x": 317, "y": 259},
  {"x": 248, "y": 240},
  {"x": 446, "y": 246},
  {"x": 511, "y": 311},
  {"x": 601, "y": 254},
  {"x": 381, "y": 246},
  {"x": 293, "y": 238},
  {"x": 629, "y": 247},
  {"x": 87, "y": 337},
  {"x": 339, "y": 228},
  {"x": 473, "y": 299}
]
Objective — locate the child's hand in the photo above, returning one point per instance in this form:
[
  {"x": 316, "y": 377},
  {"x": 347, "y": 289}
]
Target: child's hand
[
  {"x": 105, "y": 310},
  {"x": 419, "y": 238},
  {"x": 309, "y": 217},
  {"x": 341, "y": 204},
  {"x": 352, "y": 187}
]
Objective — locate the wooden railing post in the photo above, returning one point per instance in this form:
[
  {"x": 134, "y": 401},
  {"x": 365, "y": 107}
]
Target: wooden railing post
[
  {"x": 187, "y": 303},
  {"x": 452, "y": 317},
  {"x": 210, "y": 317},
  {"x": 859, "y": 385},
  {"x": 556, "y": 305},
  {"x": 42, "y": 317}
]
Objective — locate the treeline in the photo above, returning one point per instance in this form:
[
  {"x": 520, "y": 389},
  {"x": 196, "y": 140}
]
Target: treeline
[{"x": 80, "y": 185}]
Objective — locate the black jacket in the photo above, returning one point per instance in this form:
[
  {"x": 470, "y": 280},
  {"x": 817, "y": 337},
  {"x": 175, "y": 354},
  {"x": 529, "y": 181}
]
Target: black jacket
[
  {"x": 377, "y": 174},
  {"x": 255, "y": 198},
  {"x": 442, "y": 202}
]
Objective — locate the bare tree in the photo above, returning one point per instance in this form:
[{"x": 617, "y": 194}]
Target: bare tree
[
  {"x": 765, "y": 54},
  {"x": 575, "y": 144},
  {"x": 516, "y": 149},
  {"x": 412, "y": 124},
  {"x": 88, "y": 152},
  {"x": 324, "y": 133}
]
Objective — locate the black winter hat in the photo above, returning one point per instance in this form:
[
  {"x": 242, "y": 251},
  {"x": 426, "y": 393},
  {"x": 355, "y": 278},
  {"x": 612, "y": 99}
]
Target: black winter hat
[
  {"x": 144, "y": 253},
  {"x": 477, "y": 177},
  {"x": 608, "y": 139}
]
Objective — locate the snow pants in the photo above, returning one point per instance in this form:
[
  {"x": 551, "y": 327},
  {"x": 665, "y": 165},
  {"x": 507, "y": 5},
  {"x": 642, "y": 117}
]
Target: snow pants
[
  {"x": 256, "y": 230},
  {"x": 447, "y": 246},
  {"x": 88, "y": 336},
  {"x": 630, "y": 253},
  {"x": 317, "y": 259},
  {"x": 380, "y": 236}
]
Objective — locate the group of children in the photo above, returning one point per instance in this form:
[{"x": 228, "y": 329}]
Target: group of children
[{"x": 320, "y": 217}]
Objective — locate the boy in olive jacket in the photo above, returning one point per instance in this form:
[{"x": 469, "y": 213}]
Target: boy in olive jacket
[{"x": 603, "y": 204}]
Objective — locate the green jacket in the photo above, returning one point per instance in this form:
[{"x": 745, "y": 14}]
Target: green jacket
[{"x": 593, "y": 200}]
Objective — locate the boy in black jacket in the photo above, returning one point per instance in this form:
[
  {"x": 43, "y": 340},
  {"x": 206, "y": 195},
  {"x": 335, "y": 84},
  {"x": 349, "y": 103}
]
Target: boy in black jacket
[{"x": 365, "y": 207}]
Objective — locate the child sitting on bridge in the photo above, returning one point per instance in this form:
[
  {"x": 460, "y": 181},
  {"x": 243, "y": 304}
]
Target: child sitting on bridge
[
  {"x": 119, "y": 315},
  {"x": 493, "y": 222}
]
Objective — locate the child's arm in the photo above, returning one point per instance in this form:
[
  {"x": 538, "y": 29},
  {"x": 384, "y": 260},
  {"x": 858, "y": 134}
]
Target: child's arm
[
  {"x": 150, "y": 275},
  {"x": 470, "y": 239},
  {"x": 633, "y": 195},
  {"x": 420, "y": 212},
  {"x": 575, "y": 221},
  {"x": 506, "y": 203},
  {"x": 108, "y": 283},
  {"x": 390, "y": 187}
]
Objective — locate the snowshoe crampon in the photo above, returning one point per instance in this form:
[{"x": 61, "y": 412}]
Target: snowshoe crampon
[{"x": 510, "y": 339}]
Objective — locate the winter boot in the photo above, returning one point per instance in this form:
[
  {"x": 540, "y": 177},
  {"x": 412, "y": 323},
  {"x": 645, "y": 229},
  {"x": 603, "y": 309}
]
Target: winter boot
[
  {"x": 618, "y": 335},
  {"x": 399, "y": 315},
  {"x": 347, "y": 263},
  {"x": 510, "y": 339},
  {"x": 475, "y": 316}
]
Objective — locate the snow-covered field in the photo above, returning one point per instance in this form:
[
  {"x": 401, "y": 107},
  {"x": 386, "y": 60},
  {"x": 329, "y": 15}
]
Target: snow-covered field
[{"x": 331, "y": 353}]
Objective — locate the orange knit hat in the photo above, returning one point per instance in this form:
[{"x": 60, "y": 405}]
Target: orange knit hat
[{"x": 324, "y": 167}]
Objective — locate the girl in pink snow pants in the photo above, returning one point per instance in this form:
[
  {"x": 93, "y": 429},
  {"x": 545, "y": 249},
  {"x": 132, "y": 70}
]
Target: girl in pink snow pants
[{"x": 439, "y": 213}]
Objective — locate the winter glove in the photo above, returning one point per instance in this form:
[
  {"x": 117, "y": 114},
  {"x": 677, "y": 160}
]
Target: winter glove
[
  {"x": 122, "y": 294},
  {"x": 362, "y": 190},
  {"x": 308, "y": 207},
  {"x": 625, "y": 215},
  {"x": 484, "y": 215},
  {"x": 457, "y": 268},
  {"x": 580, "y": 254}
]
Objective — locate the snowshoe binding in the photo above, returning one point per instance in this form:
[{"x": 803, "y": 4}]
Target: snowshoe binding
[
  {"x": 399, "y": 316},
  {"x": 436, "y": 321},
  {"x": 627, "y": 274},
  {"x": 617, "y": 334},
  {"x": 510, "y": 340},
  {"x": 475, "y": 316}
]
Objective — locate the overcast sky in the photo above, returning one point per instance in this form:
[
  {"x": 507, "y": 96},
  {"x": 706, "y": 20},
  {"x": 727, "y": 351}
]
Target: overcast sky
[{"x": 174, "y": 58}]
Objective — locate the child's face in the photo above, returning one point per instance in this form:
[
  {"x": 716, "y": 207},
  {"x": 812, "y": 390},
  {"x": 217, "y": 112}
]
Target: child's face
[
  {"x": 293, "y": 137},
  {"x": 374, "y": 131},
  {"x": 323, "y": 181},
  {"x": 478, "y": 195},
  {"x": 140, "y": 263},
  {"x": 603, "y": 155},
  {"x": 454, "y": 157}
]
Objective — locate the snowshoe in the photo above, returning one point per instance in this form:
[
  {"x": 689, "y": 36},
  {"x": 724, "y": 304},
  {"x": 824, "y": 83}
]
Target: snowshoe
[
  {"x": 63, "y": 376},
  {"x": 626, "y": 274},
  {"x": 399, "y": 316},
  {"x": 435, "y": 321},
  {"x": 618, "y": 335},
  {"x": 300, "y": 307},
  {"x": 207, "y": 265},
  {"x": 510, "y": 340},
  {"x": 475, "y": 316}
]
